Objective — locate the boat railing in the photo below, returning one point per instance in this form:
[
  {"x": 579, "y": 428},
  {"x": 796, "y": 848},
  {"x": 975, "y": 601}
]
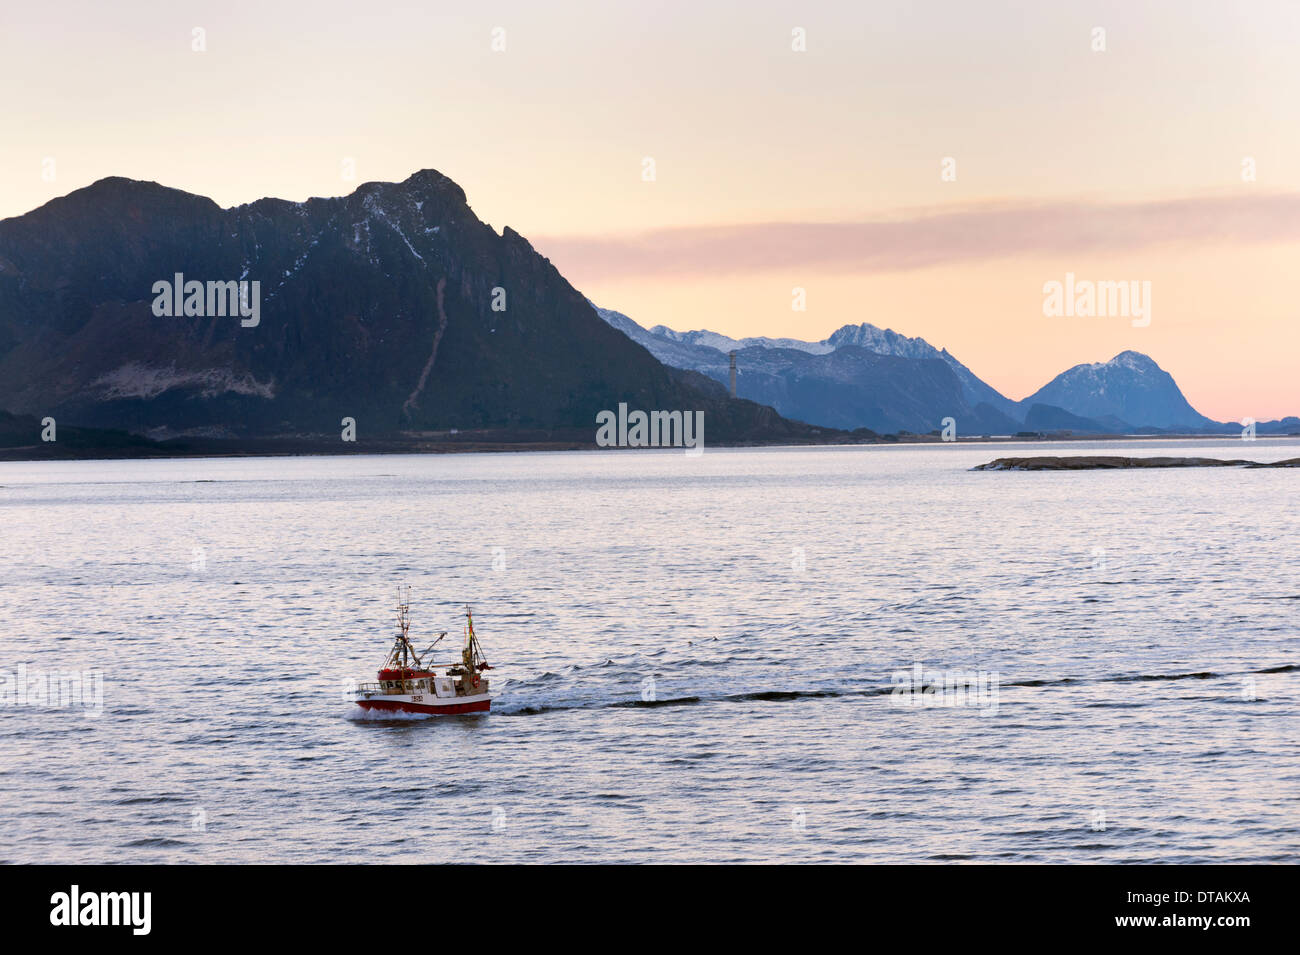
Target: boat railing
[{"x": 404, "y": 686}]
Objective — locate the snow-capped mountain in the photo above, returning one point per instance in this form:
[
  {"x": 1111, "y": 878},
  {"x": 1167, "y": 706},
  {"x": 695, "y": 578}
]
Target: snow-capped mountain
[
  {"x": 1130, "y": 387},
  {"x": 833, "y": 382},
  {"x": 724, "y": 343},
  {"x": 886, "y": 341},
  {"x": 660, "y": 340},
  {"x": 861, "y": 376}
]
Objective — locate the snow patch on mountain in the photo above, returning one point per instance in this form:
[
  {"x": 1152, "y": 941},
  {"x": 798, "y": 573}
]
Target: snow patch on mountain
[
  {"x": 725, "y": 343},
  {"x": 136, "y": 380},
  {"x": 673, "y": 348}
]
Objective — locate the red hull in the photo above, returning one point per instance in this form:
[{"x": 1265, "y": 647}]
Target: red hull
[{"x": 446, "y": 709}]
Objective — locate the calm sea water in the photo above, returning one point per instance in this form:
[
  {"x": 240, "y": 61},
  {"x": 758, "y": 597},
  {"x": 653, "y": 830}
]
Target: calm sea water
[{"x": 695, "y": 658}]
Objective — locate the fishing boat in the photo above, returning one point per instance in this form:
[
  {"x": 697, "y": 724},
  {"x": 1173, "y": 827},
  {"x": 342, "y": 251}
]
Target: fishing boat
[{"x": 410, "y": 683}]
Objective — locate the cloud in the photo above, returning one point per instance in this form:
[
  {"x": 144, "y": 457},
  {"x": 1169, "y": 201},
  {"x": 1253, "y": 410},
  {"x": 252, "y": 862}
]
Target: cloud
[{"x": 915, "y": 240}]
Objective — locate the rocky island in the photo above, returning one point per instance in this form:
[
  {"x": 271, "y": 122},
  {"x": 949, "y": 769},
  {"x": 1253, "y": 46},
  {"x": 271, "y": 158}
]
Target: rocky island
[{"x": 1093, "y": 462}]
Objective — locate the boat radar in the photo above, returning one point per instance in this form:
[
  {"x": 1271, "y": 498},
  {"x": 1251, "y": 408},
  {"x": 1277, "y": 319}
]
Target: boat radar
[{"x": 409, "y": 683}]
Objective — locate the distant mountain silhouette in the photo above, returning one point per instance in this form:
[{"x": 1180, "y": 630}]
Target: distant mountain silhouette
[
  {"x": 397, "y": 307},
  {"x": 1129, "y": 388},
  {"x": 1041, "y": 417},
  {"x": 815, "y": 382}
]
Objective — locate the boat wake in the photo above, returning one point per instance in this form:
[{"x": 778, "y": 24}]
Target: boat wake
[
  {"x": 358, "y": 715},
  {"x": 515, "y": 701}
]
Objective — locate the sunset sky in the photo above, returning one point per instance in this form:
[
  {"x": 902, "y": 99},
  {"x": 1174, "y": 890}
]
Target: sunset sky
[{"x": 774, "y": 168}]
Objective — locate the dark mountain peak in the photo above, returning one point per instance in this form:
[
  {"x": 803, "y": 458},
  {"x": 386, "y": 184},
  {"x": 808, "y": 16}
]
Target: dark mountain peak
[
  {"x": 512, "y": 237},
  {"x": 379, "y": 306},
  {"x": 422, "y": 186},
  {"x": 123, "y": 186},
  {"x": 113, "y": 191},
  {"x": 118, "y": 195},
  {"x": 119, "y": 184},
  {"x": 428, "y": 187},
  {"x": 412, "y": 189},
  {"x": 430, "y": 180}
]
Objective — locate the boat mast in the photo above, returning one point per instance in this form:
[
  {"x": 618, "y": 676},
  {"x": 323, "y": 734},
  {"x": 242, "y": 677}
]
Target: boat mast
[
  {"x": 473, "y": 653},
  {"x": 403, "y": 626}
]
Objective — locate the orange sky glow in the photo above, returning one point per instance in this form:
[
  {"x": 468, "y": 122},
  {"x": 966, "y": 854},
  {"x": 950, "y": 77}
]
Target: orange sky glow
[{"x": 923, "y": 166}]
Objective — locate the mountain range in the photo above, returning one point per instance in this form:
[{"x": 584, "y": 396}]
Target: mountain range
[
  {"x": 865, "y": 376},
  {"x": 397, "y": 308},
  {"x": 394, "y": 306}
]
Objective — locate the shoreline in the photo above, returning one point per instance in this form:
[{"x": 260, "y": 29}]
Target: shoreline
[{"x": 480, "y": 442}]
